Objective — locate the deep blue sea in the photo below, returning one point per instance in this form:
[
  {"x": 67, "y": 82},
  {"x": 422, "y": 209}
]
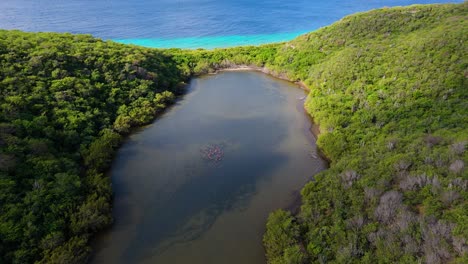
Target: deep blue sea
[{"x": 185, "y": 23}]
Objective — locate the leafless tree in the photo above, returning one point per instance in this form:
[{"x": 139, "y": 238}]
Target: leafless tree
[
  {"x": 460, "y": 183},
  {"x": 356, "y": 222},
  {"x": 402, "y": 165},
  {"x": 457, "y": 166},
  {"x": 371, "y": 193},
  {"x": 375, "y": 237},
  {"x": 449, "y": 197},
  {"x": 412, "y": 183},
  {"x": 460, "y": 246},
  {"x": 411, "y": 246},
  {"x": 435, "y": 184},
  {"x": 440, "y": 162},
  {"x": 391, "y": 144},
  {"x": 458, "y": 148},
  {"x": 348, "y": 178},
  {"x": 390, "y": 203},
  {"x": 435, "y": 234},
  {"x": 432, "y": 140},
  {"x": 405, "y": 219}
]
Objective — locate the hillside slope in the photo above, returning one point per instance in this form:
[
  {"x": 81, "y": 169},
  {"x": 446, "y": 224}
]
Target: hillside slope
[
  {"x": 66, "y": 101},
  {"x": 388, "y": 88}
]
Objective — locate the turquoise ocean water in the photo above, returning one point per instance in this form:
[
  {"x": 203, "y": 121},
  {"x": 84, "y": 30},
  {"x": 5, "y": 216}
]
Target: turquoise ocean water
[
  {"x": 185, "y": 23},
  {"x": 212, "y": 42}
]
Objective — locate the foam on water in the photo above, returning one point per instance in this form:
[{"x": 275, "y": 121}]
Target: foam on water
[{"x": 212, "y": 42}]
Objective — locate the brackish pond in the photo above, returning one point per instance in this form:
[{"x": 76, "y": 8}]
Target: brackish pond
[{"x": 198, "y": 184}]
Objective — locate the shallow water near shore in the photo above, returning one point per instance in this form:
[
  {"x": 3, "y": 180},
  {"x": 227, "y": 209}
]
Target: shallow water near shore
[
  {"x": 186, "y": 23},
  {"x": 212, "y": 42},
  {"x": 173, "y": 205}
]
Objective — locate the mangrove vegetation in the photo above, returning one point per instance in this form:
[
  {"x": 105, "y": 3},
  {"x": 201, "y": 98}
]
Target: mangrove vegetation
[{"x": 387, "y": 87}]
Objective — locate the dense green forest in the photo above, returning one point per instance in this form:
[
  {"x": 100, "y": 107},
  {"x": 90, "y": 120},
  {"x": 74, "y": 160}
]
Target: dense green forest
[
  {"x": 387, "y": 87},
  {"x": 389, "y": 90},
  {"x": 66, "y": 101}
]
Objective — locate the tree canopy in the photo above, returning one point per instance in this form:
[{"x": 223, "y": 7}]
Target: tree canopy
[
  {"x": 66, "y": 101},
  {"x": 387, "y": 87}
]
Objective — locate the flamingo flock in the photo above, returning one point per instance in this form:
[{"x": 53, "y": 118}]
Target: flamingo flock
[{"x": 212, "y": 152}]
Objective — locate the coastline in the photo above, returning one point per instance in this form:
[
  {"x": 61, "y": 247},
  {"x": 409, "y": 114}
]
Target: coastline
[
  {"x": 294, "y": 104},
  {"x": 448, "y": 130},
  {"x": 264, "y": 70},
  {"x": 215, "y": 41},
  {"x": 315, "y": 127}
]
